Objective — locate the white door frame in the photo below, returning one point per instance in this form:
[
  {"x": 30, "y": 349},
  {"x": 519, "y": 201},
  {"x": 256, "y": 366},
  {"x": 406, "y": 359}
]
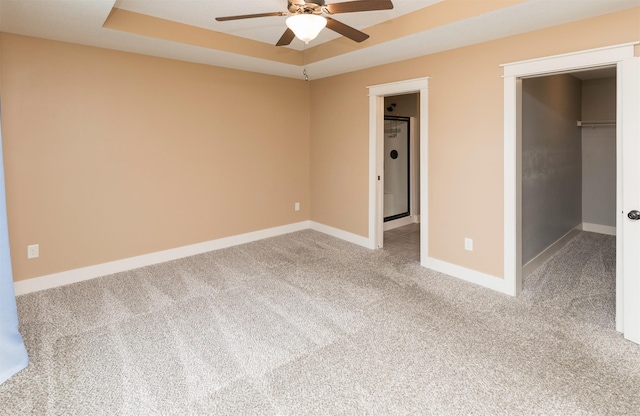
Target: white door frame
[
  {"x": 376, "y": 159},
  {"x": 622, "y": 56}
]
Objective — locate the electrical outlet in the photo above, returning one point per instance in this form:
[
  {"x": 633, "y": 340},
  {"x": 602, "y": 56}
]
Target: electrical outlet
[
  {"x": 468, "y": 244},
  {"x": 33, "y": 251},
  {"x": 296, "y": 206}
]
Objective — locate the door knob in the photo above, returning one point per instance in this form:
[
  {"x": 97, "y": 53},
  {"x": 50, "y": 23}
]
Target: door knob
[{"x": 634, "y": 215}]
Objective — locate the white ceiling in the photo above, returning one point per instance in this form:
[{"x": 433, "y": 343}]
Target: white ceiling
[
  {"x": 201, "y": 13},
  {"x": 80, "y": 21}
]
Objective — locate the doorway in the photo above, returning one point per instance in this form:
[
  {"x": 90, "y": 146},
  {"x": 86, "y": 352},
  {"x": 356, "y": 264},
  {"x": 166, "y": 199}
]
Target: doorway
[
  {"x": 401, "y": 167},
  {"x": 569, "y": 192},
  {"x": 377, "y": 96},
  {"x": 628, "y": 154}
]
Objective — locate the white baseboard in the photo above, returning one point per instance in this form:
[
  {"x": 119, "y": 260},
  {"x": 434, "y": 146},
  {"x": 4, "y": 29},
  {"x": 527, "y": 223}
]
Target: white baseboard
[
  {"x": 538, "y": 260},
  {"x": 597, "y": 228},
  {"x": 343, "y": 235},
  {"x": 486, "y": 280},
  {"x": 91, "y": 272}
]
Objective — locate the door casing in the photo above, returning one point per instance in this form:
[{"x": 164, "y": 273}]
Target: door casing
[{"x": 376, "y": 159}]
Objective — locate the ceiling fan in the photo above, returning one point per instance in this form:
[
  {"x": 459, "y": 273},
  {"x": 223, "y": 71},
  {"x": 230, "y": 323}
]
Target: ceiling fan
[{"x": 307, "y": 19}]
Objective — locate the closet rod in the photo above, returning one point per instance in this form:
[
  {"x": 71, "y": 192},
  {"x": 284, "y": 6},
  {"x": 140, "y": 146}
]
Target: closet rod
[{"x": 596, "y": 123}]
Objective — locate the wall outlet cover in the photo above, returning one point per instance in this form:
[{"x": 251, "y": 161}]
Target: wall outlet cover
[{"x": 33, "y": 251}]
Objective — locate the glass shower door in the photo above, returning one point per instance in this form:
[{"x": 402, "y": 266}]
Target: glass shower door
[{"x": 396, "y": 168}]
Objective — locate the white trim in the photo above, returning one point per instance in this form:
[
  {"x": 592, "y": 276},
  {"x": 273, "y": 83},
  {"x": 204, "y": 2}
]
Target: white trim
[
  {"x": 546, "y": 254},
  {"x": 570, "y": 61},
  {"x": 598, "y": 228},
  {"x": 376, "y": 183},
  {"x": 399, "y": 87},
  {"x": 91, "y": 272},
  {"x": 619, "y": 202},
  {"x": 414, "y": 169},
  {"x": 341, "y": 234},
  {"x": 512, "y": 188},
  {"x": 472, "y": 276},
  {"x": 424, "y": 173}
]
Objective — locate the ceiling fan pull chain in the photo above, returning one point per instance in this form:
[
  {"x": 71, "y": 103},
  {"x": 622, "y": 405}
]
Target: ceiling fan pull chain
[{"x": 304, "y": 62}]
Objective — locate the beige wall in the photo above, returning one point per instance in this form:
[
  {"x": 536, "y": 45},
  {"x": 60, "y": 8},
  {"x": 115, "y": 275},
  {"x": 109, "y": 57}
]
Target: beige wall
[
  {"x": 110, "y": 155},
  {"x": 465, "y": 136},
  {"x": 339, "y": 153}
]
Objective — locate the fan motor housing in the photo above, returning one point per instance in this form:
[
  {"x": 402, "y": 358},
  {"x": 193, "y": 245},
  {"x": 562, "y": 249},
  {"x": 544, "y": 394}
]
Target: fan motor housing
[{"x": 302, "y": 7}]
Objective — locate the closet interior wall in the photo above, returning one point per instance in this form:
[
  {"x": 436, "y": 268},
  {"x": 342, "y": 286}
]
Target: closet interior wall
[{"x": 568, "y": 171}]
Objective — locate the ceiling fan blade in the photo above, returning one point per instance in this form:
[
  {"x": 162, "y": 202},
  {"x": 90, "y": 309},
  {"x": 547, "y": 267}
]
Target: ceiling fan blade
[
  {"x": 286, "y": 38},
  {"x": 250, "y": 16},
  {"x": 345, "y": 30},
  {"x": 359, "y": 6}
]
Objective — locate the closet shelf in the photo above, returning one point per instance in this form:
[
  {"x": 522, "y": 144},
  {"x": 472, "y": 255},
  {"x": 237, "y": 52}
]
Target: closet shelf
[{"x": 596, "y": 123}]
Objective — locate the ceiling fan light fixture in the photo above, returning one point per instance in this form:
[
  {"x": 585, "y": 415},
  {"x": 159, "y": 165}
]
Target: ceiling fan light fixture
[{"x": 306, "y": 26}]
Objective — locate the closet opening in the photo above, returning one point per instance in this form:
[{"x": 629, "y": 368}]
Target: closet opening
[
  {"x": 622, "y": 56},
  {"x": 569, "y": 191}
]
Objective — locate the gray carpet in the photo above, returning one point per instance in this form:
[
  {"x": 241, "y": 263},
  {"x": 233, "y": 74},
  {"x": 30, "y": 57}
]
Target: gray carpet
[{"x": 308, "y": 324}]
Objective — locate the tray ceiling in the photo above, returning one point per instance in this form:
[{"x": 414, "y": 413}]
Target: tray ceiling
[{"x": 186, "y": 29}]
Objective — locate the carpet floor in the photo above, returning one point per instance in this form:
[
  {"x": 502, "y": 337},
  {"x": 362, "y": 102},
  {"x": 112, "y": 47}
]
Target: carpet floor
[{"x": 308, "y": 324}]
